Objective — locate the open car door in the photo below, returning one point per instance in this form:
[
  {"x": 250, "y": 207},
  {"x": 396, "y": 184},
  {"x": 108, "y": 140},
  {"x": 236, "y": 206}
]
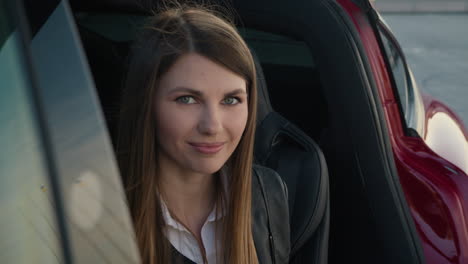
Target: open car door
[{"x": 62, "y": 199}]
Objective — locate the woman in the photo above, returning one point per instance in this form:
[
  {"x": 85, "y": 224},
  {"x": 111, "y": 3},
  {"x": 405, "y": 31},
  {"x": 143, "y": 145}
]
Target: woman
[{"x": 185, "y": 145}]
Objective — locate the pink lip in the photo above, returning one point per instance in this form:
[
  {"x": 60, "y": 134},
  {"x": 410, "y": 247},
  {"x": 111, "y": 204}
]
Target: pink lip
[{"x": 207, "y": 148}]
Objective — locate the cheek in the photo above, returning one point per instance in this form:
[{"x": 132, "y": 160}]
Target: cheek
[{"x": 171, "y": 125}]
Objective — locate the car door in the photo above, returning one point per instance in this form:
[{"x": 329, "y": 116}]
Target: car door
[
  {"x": 79, "y": 175},
  {"x": 30, "y": 213},
  {"x": 429, "y": 145}
]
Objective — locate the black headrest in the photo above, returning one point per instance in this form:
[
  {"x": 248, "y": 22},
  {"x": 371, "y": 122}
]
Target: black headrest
[{"x": 263, "y": 99}]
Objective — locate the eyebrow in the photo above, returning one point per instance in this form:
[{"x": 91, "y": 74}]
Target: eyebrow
[
  {"x": 199, "y": 93},
  {"x": 236, "y": 91}
]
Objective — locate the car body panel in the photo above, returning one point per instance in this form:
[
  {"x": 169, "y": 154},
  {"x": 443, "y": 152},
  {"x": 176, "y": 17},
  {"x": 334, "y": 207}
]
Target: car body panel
[
  {"x": 435, "y": 192},
  {"x": 445, "y": 133},
  {"x": 436, "y": 189}
]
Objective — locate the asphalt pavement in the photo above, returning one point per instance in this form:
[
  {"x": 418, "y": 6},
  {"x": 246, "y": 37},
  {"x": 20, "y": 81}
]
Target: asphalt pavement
[
  {"x": 436, "y": 48},
  {"x": 424, "y": 6}
]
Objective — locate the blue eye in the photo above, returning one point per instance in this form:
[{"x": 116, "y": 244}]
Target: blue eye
[
  {"x": 231, "y": 101},
  {"x": 186, "y": 99}
]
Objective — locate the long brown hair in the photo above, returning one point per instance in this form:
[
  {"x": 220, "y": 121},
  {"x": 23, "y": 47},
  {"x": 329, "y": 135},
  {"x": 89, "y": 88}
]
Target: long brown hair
[{"x": 168, "y": 35}]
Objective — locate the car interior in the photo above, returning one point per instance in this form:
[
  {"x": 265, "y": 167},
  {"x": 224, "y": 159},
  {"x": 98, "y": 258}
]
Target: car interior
[
  {"x": 319, "y": 125},
  {"x": 280, "y": 144}
]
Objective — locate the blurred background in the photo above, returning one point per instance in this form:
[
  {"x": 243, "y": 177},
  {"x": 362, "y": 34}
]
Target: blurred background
[{"x": 434, "y": 37}]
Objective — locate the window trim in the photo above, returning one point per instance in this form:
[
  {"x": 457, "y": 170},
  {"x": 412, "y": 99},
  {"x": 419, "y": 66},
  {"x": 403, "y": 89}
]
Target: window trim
[
  {"x": 409, "y": 117},
  {"x": 18, "y": 11}
]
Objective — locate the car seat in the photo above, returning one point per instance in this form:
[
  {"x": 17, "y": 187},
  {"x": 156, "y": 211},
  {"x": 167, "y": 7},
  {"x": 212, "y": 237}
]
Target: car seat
[{"x": 282, "y": 146}]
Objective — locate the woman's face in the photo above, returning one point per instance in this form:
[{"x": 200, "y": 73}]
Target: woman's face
[{"x": 201, "y": 113}]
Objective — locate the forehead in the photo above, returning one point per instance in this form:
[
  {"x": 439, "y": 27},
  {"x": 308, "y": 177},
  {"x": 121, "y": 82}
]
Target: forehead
[{"x": 198, "y": 72}]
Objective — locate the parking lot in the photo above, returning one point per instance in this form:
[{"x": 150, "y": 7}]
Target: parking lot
[{"x": 436, "y": 47}]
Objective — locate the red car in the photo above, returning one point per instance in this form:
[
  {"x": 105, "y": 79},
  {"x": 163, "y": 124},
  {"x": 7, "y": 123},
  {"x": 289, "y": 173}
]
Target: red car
[{"x": 397, "y": 159}]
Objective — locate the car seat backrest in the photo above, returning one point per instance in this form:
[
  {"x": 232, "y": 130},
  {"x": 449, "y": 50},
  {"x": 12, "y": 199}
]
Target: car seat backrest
[{"x": 282, "y": 146}]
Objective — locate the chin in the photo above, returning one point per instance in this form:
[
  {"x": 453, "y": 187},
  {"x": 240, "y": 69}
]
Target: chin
[{"x": 207, "y": 167}]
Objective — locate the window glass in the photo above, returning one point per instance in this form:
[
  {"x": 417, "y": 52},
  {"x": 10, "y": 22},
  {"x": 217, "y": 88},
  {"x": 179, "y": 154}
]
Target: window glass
[
  {"x": 397, "y": 65},
  {"x": 96, "y": 215},
  {"x": 27, "y": 224}
]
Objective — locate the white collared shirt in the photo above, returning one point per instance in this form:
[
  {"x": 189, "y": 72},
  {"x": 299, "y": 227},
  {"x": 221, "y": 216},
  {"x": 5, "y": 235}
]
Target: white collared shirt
[{"x": 184, "y": 241}]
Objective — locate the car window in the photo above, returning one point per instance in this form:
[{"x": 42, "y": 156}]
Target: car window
[
  {"x": 407, "y": 91},
  {"x": 397, "y": 66},
  {"x": 96, "y": 213},
  {"x": 28, "y": 229}
]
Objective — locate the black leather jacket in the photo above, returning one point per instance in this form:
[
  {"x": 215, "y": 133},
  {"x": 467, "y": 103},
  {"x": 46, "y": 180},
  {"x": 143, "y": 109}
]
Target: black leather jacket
[{"x": 270, "y": 214}]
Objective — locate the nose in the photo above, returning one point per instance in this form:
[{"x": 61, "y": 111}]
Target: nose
[{"x": 210, "y": 122}]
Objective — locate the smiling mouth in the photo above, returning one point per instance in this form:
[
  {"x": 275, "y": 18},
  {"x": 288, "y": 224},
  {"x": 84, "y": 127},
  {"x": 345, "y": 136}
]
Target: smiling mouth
[{"x": 207, "y": 148}]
